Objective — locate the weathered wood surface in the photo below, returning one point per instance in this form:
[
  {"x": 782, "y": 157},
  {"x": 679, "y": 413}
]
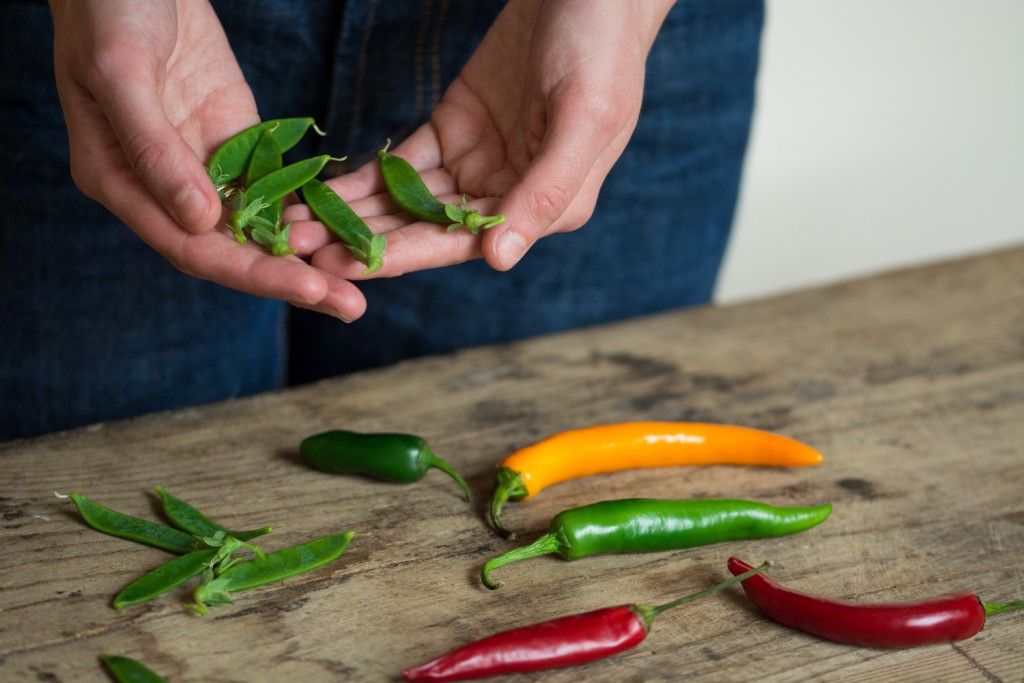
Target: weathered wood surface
[{"x": 911, "y": 383}]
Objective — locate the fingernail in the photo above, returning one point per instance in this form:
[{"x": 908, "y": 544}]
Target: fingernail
[
  {"x": 511, "y": 247},
  {"x": 190, "y": 206}
]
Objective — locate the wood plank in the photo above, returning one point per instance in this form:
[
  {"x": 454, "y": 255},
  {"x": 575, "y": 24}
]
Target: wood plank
[{"x": 911, "y": 383}]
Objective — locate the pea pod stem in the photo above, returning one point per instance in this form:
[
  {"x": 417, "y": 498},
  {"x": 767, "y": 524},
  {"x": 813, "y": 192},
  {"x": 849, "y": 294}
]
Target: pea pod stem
[
  {"x": 641, "y": 525},
  {"x": 412, "y": 195}
]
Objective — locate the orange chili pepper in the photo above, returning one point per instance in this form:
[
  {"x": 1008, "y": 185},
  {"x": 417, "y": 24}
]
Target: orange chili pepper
[{"x": 632, "y": 445}]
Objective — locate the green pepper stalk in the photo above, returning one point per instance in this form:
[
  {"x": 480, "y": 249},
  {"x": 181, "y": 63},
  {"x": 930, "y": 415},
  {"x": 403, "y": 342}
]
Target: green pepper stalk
[
  {"x": 400, "y": 458},
  {"x": 643, "y": 525}
]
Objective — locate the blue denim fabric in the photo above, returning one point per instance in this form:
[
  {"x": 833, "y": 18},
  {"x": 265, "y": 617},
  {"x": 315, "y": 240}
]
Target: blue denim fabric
[{"x": 96, "y": 326}]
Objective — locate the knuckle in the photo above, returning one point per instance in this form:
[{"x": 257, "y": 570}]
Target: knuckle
[{"x": 550, "y": 203}]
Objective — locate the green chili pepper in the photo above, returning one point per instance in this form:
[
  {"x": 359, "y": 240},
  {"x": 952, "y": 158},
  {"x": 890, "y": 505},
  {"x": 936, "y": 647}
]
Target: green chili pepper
[
  {"x": 231, "y": 159},
  {"x": 340, "y": 219},
  {"x": 189, "y": 519},
  {"x": 276, "y": 566},
  {"x": 118, "y": 524},
  {"x": 401, "y": 458},
  {"x": 409, "y": 191},
  {"x": 128, "y": 670},
  {"x": 640, "y": 525}
]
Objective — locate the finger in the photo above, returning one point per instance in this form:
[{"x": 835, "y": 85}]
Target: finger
[{"x": 156, "y": 151}]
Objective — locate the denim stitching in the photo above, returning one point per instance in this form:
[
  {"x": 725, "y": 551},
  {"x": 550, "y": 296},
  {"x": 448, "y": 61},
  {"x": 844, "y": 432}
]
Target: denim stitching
[
  {"x": 418, "y": 61},
  {"x": 435, "y": 56},
  {"x": 357, "y": 90}
]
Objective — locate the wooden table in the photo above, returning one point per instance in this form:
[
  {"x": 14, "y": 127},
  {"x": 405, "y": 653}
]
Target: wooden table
[{"x": 911, "y": 383}]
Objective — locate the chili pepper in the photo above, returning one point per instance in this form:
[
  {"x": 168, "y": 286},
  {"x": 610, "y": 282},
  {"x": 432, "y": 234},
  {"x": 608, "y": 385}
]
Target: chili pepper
[
  {"x": 644, "y": 525},
  {"x": 401, "y": 458},
  {"x": 189, "y": 519},
  {"x": 231, "y": 159},
  {"x": 411, "y": 194},
  {"x": 631, "y": 445},
  {"x": 340, "y": 219},
  {"x": 275, "y": 566},
  {"x": 128, "y": 670},
  {"x": 566, "y": 641},
  {"x": 944, "y": 619},
  {"x": 118, "y": 524}
]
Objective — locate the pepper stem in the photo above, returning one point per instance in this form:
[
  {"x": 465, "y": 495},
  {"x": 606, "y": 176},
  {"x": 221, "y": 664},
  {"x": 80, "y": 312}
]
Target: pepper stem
[
  {"x": 648, "y": 613},
  {"x": 545, "y": 545},
  {"x": 439, "y": 463},
  {"x": 509, "y": 484},
  {"x": 1000, "y": 607}
]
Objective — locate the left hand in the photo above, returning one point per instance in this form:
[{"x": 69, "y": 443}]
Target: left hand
[{"x": 529, "y": 129}]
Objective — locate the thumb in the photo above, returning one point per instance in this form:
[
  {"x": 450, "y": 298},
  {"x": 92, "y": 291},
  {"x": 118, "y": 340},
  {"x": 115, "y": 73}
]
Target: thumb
[{"x": 159, "y": 155}]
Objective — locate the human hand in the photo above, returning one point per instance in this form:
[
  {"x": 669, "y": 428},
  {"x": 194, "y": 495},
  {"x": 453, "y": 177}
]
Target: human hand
[
  {"x": 530, "y": 129},
  {"x": 148, "y": 90}
]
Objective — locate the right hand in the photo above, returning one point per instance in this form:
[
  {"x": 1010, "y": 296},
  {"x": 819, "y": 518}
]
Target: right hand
[{"x": 148, "y": 90}]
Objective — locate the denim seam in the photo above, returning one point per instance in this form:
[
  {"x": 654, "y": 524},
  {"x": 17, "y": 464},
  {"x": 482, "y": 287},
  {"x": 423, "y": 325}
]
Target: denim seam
[
  {"x": 357, "y": 90},
  {"x": 435, "y": 56}
]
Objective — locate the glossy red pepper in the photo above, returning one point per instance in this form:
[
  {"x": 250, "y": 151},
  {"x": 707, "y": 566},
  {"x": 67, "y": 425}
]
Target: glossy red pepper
[
  {"x": 566, "y": 641},
  {"x": 944, "y": 619}
]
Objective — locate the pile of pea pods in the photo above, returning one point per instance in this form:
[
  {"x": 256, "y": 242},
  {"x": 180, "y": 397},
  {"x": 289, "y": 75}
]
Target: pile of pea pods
[{"x": 249, "y": 174}]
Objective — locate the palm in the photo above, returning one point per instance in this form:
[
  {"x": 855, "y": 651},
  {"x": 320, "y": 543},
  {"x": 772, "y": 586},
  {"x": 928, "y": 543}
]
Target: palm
[{"x": 530, "y": 129}]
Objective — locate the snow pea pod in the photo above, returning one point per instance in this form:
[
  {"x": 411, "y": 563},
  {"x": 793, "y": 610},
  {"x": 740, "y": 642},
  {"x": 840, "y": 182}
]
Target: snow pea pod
[
  {"x": 128, "y": 670},
  {"x": 643, "y": 525},
  {"x": 114, "y": 523},
  {"x": 266, "y": 158},
  {"x": 189, "y": 519},
  {"x": 340, "y": 219},
  {"x": 275, "y": 566},
  {"x": 402, "y": 458},
  {"x": 271, "y": 188},
  {"x": 232, "y": 158},
  {"x": 166, "y": 577},
  {"x": 411, "y": 194}
]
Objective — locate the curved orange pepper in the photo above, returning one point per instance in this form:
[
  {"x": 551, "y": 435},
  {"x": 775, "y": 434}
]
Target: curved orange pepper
[{"x": 632, "y": 445}]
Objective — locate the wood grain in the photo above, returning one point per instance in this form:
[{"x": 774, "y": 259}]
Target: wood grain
[{"x": 911, "y": 383}]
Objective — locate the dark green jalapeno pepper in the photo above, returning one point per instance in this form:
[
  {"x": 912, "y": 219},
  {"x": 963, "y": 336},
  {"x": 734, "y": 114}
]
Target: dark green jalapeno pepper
[
  {"x": 232, "y": 158},
  {"x": 411, "y": 194},
  {"x": 401, "y": 458},
  {"x": 338, "y": 217},
  {"x": 643, "y": 525}
]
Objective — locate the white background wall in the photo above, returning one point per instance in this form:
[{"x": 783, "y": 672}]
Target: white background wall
[{"x": 887, "y": 133}]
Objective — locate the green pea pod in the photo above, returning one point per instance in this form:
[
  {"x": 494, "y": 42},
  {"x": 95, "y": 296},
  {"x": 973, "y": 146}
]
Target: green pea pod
[
  {"x": 118, "y": 524},
  {"x": 166, "y": 577},
  {"x": 271, "y": 188},
  {"x": 340, "y": 219},
  {"x": 189, "y": 519},
  {"x": 402, "y": 458},
  {"x": 232, "y": 158},
  {"x": 413, "y": 196},
  {"x": 266, "y": 158},
  {"x": 128, "y": 670},
  {"x": 643, "y": 525},
  {"x": 275, "y": 566}
]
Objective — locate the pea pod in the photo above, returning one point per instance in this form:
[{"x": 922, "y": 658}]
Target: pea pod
[
  {"x": 266, "y": 158},
  {"x": 643, "y": 525},
  {"x": 275, "y": 566},
  {"x": 271, "y": 188},
  {"x": 189, "y": 519},
  {"x": 166, "y": 577},
  {"x": 118, "y": 524},
  {"x": 340, "y": 219},
  {"x": 231, "y": 159},
  {"x": 411, "y": 194},
  {"x": 402, "y": 458},
  {"x": 128, "y": 670}
]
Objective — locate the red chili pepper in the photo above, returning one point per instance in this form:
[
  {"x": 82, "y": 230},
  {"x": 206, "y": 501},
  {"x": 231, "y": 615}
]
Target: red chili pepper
[
  {"x": 566, "y": 641},
  {"x": 944, "y": 619}
]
